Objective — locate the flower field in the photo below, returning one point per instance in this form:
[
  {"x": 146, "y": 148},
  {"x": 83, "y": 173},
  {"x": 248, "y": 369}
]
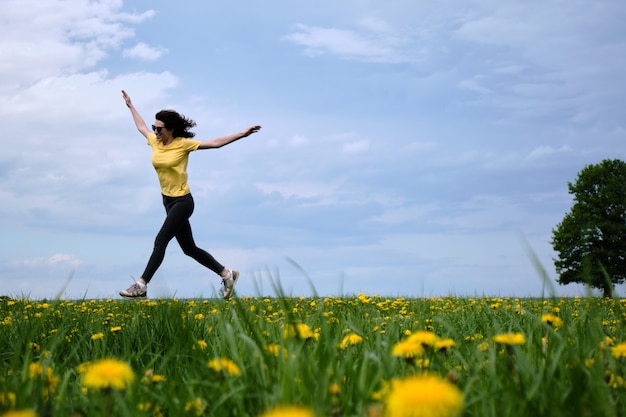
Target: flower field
[{"x": 277, "y": 357}]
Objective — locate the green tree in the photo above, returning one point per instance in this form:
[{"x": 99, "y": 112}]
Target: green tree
[{"x": 591, "y": 239}]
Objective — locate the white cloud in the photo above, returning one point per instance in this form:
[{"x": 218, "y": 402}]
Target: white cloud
[
  {"x": 420, "y": 146},
  {"x": 299, "y": 140},
  {"x": 474, "y": 85},
  {"x": 356, "y": 147},
  {"x": 543, "y": 151},
  {"x": 405, "y": 214},
  {"x": 377, "y": 44},
  {"x": 144, "y": 51},
  {"x": 59, "y": 259},
  {"x": 66, "y": 115},
  {"x": 297, "y": 189},
  {"x": 376, "y": 24},
  {"x": 42, "y": 39}
]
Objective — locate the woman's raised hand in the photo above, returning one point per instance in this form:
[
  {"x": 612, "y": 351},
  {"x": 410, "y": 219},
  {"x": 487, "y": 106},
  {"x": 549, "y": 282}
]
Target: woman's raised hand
[{"x": 126, "y": 98}]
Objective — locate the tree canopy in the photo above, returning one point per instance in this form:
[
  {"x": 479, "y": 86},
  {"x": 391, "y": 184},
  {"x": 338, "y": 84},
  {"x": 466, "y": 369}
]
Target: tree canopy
[{"x": 591, "y": 238}]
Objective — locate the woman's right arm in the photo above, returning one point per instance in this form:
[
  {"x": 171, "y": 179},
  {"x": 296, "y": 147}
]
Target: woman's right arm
[{"x": 141, "y": 125}]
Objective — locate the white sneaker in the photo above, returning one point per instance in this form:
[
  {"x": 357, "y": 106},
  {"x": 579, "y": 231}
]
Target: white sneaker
[
  {"x": 135, "y": 291},
  {"x": 229, "y": 282}
]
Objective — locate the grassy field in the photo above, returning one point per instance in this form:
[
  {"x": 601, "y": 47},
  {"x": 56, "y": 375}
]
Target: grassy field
[{"x": 355, "y": 356}]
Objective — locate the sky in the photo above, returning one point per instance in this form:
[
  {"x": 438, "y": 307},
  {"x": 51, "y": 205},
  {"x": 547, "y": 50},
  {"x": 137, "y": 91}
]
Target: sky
[{"x": 408, "y": 148}]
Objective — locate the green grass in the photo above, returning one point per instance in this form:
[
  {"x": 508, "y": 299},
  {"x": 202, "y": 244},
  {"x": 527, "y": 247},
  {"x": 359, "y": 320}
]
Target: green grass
[{"x": 572, "y": 374}]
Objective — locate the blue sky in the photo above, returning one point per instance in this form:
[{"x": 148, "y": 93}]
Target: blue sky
[{"x": 408, "y": 148}]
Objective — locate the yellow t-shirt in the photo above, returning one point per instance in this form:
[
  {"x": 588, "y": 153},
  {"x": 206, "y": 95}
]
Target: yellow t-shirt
[{"x": 170, "y": 163}]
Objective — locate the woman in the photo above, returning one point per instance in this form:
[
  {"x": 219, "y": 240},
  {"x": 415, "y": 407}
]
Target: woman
[{"x": 171, "y": 143}]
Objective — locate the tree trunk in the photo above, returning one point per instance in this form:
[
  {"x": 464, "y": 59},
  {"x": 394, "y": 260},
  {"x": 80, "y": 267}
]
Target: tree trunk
[{"x": 607, "y": 291}]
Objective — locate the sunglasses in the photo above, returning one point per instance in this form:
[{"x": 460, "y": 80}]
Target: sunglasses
[{"x": 157, "y": 129}]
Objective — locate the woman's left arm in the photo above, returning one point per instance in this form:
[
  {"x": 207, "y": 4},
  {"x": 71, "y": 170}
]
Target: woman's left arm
[{"x": 225, "y": 140}]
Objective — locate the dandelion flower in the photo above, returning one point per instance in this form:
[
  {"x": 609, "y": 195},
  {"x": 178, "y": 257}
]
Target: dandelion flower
[
  {"x": 408, "y": 349},
  {"x": 150, "y": 376},
  {"x": 97, "y": 336},
  {"x": 20, "y": 413},
  {"x": 424, "y": 395},
  {"x": 224, "y": 364},
  {"x": 300, "y": 330},
  {"x": 510, "y": 339},
  {"x": 619, "y": 351},
  {"x": 444, "y": 344},
  {"x": 34, "y": 370},
  {"x": 382, "y": 392},
  {"x": 273, "y": 349},
  {"x": 424, "y": 338},
  {"x": 552, "y": 320},
  {"x": 106, "y": 373},
  {"x": 50, "y": 381},
  {"x": 289, "y": 411},
  {"x": 197, "y": 406},
  {"x": 7, "y": 399},
  {"x": 483, "y": 346},
  {"x": 304, "y": 332},
  {"x": 350, "y": 340}
]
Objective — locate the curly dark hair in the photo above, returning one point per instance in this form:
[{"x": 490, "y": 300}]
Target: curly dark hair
[{"x": 176, "y": 122}]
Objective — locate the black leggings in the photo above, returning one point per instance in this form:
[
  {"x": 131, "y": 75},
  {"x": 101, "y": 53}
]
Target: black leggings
[{"x": 176, "y": 224}]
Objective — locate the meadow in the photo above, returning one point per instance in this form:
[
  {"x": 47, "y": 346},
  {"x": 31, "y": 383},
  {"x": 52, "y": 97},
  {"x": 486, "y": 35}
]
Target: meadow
[{"x": 362, "y": 355}]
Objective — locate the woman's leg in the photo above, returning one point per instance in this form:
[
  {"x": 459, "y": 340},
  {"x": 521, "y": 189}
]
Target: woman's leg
[
  {"x": 178, "y": 211},
  {"x": 188, "y": 245},
  {"x": 184, "y": 236}
]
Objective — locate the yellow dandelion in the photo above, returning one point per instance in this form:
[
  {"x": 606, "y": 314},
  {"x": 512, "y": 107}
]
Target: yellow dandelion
[
  {"x": 202, "y": 344},
  {"x": 226, "y": 365},
  {"x": 424, "y": 338},
  {"x": 144, "y": 407},
  {"x": 158, "y": 378},
  {"x": 289, "y": 411},
  {"x": 300, "y": 330},
  {"x": 34, "y": 370},
  {"x": 408, "y": 349},
  {"x": 20, "y": 413},
  {"x": 97, "y": 336},
  {"x": 364, "y": 299},
  {"x": 106, "y": 373},
  {"x": 615, "y": 381},
  {"x": 7, "y": 399},
  {"x": 197, "y": 406},
  {"x": 334, "y": 389},
  {"x": 350, "y": 340},
  {"x": 304, "y": 332},
  {"x": 424, "y": 395},
  {"x": 552, "y": 320},
  {"x": 116, "y": 329},
  {"x": 422, "y": 363},
  {"x": 150, "y": 376},
  {"x": 510, "y": 339},
  {"x": 619, "y": 351},
  {"x": 444, "y": 344},
  {"x": 275, "y": 350},
  {"x": 382, "y": 392},
  {"x": 50, "y": 381}
]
